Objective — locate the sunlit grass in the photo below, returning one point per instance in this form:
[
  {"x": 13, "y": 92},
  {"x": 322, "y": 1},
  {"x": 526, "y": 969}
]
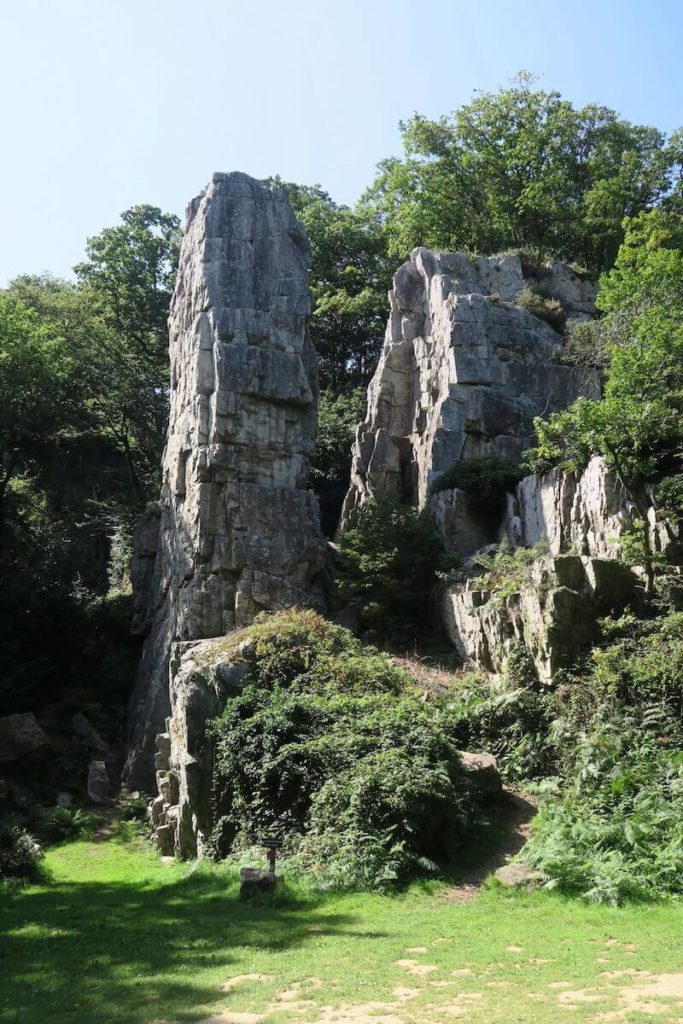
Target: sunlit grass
[{"x": 120, "y": 936}]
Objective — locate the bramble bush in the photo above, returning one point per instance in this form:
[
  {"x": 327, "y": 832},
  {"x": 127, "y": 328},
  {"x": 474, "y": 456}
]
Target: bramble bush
[{"x": 329, "y": 742}]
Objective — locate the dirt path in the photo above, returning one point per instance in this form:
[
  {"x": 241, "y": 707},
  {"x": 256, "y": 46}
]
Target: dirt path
[{"x": 516, "y": 811}]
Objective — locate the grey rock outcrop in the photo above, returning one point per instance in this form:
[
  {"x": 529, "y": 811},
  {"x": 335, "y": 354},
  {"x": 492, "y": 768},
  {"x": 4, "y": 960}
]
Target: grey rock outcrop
[
  {"x": 482, "y": 772},
  {"x": 587, "y": 513},
  {"x": 238, "y": 531},
  {"x": 463, "y": 371},
  {"x": 99, "y": 787},
  {"x": 553, "y": 614},
  {"x": 202, "y": 676},
  {"x": 458, "y": 528},
  {"x": 90, "y": 737},
  {"x": 20, "y": 736}
]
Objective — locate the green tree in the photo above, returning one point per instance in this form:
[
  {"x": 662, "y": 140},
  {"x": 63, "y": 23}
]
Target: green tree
[
  {"x": 37, "y": 401},
  {"x": 129, "y": 271},
  {"x": 638, "y": 423},
  {"x": 349, "y": 277},
  {"x": 522, "y": 168},
  {"x": 119, "y": 397},
  {"x": 338, "y": 418},
  {"x": 128, "y": 279},
  {"x": 389, "y": 557},
  {"x": 83, "y": 406}
]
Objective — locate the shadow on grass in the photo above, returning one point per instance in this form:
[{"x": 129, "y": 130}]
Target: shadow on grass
[{"x": 134, "y": 952}]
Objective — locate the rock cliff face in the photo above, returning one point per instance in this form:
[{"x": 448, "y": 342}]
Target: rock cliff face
[
  {"x": 579, "y": 519},
  {"x": 464, "y": 370},
  {"x": 587, "y": 513},
  {"x": 553, "y": 615},
  {"x": 236, "y": 531},
  {"x": 202, "y": 677}
]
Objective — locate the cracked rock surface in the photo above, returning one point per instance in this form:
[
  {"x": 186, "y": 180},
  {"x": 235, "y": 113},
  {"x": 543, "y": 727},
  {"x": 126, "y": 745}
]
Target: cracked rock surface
[{"x": 236, "y": 531}]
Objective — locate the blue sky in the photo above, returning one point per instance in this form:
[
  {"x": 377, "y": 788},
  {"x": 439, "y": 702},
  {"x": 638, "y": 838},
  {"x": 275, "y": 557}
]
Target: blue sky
[{"x": 108, "y": 103}]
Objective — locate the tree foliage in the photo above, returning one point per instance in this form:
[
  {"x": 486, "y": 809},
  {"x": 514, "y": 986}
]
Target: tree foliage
[
  {"x": 389, "y": 558},
  {"x": 349, "y": 279},
  {"x": 83, "y": 400},
  {"x": 328, "y": 742},
  {"x": 522, "y": 167},
  {"x": 637, "y": 426}
]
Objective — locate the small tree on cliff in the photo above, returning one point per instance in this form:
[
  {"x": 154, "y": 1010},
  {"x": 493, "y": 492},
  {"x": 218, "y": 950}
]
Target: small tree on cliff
[{"x": 638, "y": 424}]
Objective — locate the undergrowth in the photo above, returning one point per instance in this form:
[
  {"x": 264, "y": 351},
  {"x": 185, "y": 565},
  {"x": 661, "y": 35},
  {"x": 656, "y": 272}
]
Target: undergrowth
[
  {"x": 329, "y": 742},
  {"x": 604, "y": 748}
]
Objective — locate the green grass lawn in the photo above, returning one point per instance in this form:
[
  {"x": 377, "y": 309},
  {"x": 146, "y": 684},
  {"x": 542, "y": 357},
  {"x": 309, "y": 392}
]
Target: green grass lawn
[{"x": 119, "y": 936}]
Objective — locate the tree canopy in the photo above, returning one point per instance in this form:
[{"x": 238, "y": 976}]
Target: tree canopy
[
  {"x": 523, "y": 167},
  {"x": 350, "y": 276},
  {"x": 637, "y": 425}
]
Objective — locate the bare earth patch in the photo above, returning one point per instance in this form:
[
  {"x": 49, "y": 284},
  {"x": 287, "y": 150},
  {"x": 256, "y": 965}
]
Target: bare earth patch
[
  {"x": 363, "y": 1013},
  {"x": 581, "y": 995},
  {"x": 403, "y": 993},
  {"x": 518, "y": 812},
  {"x": 413, "y": 967},
  {"x": 230, "y": 1017},
  {"x": 644, "y": 998}
]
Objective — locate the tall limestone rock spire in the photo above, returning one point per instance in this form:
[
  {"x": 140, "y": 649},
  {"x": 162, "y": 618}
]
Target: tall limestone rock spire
[{"x": 236, "y": 530}]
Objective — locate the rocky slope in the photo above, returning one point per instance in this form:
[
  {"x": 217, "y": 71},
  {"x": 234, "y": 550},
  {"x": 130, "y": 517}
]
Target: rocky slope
[{"x": 236, "y": 529}]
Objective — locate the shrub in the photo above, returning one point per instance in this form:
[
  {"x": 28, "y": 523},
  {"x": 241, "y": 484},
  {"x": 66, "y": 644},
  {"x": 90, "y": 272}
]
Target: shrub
[
  {"x": 484, "y": 480},
  {"x": 20, "y": 854},
  {"x": 387, "y": 568},
  {"x": 507, "y": 571},
  {"x": 543, "y": 307},
  {"x": 56, "y": 824},
  {"x": 511, "y": 717},
  {"x": 135, "y": 808},
  {"x": 329, "y": 742}
]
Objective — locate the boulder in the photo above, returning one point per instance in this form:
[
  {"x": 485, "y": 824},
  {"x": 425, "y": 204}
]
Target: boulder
[
  {"x": 98, "y": 783},
  {"x": 255, "y": 881},
  {"x": 482, "y": 772},
  {"x": 517, "y": 876},
  {"x": 20, "y": 737}
]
